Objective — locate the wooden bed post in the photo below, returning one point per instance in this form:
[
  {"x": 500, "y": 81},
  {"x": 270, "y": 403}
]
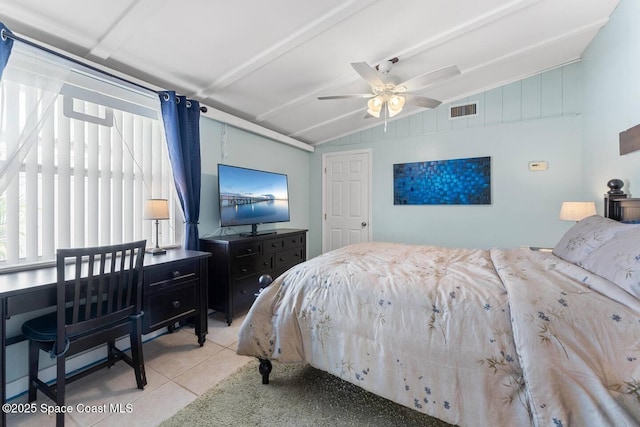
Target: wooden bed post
[
  {"x": 265, "y": 370},
  {"x": 265, "y": 365},
  {"x": 611, "y": 208}
]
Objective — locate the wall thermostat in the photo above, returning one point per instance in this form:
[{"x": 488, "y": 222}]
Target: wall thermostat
[{"x": 538, "y": 166}]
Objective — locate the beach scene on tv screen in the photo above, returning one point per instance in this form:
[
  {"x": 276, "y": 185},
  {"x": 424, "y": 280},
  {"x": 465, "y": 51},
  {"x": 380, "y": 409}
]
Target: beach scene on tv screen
[{"x": 252, "y": 197}]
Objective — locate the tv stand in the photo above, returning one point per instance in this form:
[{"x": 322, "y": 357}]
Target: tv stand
[
  {"x": 237, "y": 262},
  {"x": 255, "y": 232}
]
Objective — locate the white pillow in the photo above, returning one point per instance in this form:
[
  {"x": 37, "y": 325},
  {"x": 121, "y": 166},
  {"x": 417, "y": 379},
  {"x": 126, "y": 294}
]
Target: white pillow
[
  {"x": 587, "y": 235},
  {"x": 618, "y": 261}
]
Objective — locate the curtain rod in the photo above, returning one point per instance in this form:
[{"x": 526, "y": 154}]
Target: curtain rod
[{"x": 8, "y": 34}]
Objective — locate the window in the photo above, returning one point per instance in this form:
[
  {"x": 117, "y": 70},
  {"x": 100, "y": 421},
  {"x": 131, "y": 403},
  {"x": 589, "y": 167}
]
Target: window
[{"x": 80, "y": 152}]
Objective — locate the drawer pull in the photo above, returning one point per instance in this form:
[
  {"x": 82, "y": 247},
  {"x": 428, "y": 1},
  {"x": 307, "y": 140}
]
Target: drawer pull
[
  {"x": 282, "y": 259},
  {"x": 274, "y": 245},
  {"x": 175, "y": 304},
  {"x": 244, "y": 270},
  {"x": 243, "y": 292},
  {"x": 175, "y": 274},
  {"x": 249, "y": 250}
]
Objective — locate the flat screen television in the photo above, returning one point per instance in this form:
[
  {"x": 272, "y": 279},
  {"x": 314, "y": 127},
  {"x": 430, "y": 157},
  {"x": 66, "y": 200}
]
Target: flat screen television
[{"x": 252, "y": 197}]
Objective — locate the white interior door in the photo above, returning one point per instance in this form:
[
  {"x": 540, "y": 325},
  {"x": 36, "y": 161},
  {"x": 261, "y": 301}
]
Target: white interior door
[{"x": 346, "y": 189}]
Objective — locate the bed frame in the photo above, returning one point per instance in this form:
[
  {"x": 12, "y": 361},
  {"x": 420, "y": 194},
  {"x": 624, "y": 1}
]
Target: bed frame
[{"x": 616, "y": 206}]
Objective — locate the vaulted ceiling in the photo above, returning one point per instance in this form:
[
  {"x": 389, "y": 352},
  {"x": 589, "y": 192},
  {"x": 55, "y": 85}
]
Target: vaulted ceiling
[{"x": 266, "y": 62}]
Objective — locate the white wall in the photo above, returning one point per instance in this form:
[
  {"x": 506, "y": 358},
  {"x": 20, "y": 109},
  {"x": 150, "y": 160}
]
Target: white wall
[
  {"x": 531, "y": 120},
  {"x": 611, "y": 94}
]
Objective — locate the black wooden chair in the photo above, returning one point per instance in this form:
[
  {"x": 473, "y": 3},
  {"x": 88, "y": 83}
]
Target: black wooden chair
[{"x": 98, "y": 301}]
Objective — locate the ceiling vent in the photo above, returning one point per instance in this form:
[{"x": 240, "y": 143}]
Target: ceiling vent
[{"x": 465, "y": 110}]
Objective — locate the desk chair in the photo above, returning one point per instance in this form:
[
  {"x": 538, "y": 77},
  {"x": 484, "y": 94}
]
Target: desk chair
[{"x": 98, "y": 301}]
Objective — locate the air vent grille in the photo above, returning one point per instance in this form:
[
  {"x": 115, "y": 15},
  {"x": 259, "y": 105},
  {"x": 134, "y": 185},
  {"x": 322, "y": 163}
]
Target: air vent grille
[{"x": 465, "y": 110}]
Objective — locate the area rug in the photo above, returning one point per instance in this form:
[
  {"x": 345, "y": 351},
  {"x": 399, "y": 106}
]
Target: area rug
[{"x": 297, "y": 395}]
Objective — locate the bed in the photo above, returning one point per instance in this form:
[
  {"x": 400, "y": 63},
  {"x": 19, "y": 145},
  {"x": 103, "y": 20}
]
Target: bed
[{"x": 470, "y": 336}]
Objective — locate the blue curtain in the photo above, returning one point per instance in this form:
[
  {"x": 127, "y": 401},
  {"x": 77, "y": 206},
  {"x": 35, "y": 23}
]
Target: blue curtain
[
  {"x": 181, "y": 119},
  {"x": 6, "y": 44}
]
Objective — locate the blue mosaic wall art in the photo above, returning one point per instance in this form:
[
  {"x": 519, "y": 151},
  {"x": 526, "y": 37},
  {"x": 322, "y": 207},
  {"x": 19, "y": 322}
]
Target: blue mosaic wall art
[{"x": 443, "y": 182}]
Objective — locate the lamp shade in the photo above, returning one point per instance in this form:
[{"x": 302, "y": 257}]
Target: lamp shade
[
  {"x": 575, "y": 211},
  {"x": 156, "y": 209}
]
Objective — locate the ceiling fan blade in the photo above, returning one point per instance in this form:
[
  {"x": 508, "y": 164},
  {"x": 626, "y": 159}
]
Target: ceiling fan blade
[
  {"x": 421, "y": 101},
  {"x": 368, "y": 73},
  {"x": 355, "y": 95},
  {"x": 430, "y": 78}
]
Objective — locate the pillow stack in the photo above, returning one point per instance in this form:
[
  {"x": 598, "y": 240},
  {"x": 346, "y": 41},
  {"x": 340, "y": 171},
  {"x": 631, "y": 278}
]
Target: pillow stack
[{"x": 604, "y": 247}]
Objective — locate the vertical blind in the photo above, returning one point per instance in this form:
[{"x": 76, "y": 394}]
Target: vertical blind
[{"x": 81, "y": 153}]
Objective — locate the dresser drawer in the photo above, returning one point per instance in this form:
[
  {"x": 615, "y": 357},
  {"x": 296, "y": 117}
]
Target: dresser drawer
[
  {"x": 246, "y": 266},
  {"x": 287, "y": 259},
  {"x": 246, "y": 249},
  {"x": 244, "y": 290},
  {"x": 278, "y": 244},
  {"x": 177, "y": 273},
  {"x": 293, "y": 241},
  {"x": 169, "y": 304}
]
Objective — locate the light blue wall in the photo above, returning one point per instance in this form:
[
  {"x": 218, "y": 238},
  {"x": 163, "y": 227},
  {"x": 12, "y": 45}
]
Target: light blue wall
[
  {"x": 252, "y": 151},
  {"x": 611, "y": 93},
  {"x": 536, "y": 119}
]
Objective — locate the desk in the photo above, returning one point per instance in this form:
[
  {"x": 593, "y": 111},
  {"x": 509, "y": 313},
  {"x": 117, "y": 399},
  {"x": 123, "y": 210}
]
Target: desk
[{"x": 175, "y": 287}]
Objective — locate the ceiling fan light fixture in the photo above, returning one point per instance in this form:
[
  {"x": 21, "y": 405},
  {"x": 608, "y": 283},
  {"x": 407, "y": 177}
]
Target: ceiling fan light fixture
[
  {"x": 395, "y": 105},
  {"x": 375, "y": 106},
  {"x": 389, "y": 94}
]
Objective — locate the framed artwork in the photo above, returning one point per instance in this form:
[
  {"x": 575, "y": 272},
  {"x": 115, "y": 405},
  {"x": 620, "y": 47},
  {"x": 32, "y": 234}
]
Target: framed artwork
[{"x": 443, "y": 182}]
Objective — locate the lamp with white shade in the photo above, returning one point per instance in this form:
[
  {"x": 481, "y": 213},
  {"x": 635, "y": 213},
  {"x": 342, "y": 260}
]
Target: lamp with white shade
[
  {"x": 576, "y": 211},
  {"x": 156, "y": 209}
]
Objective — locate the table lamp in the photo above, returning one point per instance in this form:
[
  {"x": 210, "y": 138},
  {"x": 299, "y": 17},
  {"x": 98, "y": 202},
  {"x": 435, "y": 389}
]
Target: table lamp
[
  {"x": 575, "y": 211},
  {"x": 156, "y": 209}
]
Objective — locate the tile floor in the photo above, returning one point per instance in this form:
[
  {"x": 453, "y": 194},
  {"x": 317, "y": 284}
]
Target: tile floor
[{"x": 178, "y": 371}]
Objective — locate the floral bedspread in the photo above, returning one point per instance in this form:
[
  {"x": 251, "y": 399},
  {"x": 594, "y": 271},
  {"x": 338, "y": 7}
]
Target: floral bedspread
[{"x": 473, "y": 337}]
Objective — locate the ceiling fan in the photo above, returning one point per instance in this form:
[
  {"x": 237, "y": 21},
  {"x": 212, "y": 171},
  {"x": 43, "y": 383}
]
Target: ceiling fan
[{"x": 389, "y": 94}]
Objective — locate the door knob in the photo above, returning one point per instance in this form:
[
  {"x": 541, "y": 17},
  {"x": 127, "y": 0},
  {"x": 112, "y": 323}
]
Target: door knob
[{"x": 364, "y": 224}]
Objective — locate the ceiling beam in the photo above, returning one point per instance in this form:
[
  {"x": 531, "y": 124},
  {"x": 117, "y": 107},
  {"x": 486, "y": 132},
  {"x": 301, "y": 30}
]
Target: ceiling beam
[
  {"x": 239, "y": 123},
  {"x": 213, "y": 113},
  {"x": 125, "y": 26},
  {"x": 438, "y": 40},
  {"x": 289, "y": 43}
]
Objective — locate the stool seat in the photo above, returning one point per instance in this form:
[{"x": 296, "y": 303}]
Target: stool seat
[{"x": 44, "y": 328}]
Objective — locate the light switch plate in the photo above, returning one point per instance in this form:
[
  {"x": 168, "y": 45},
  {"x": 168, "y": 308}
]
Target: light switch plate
[{"x": 538, "y": 166}]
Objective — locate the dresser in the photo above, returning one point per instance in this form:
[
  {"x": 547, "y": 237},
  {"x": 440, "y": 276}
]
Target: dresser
[{"x": 238, "y": 261}]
